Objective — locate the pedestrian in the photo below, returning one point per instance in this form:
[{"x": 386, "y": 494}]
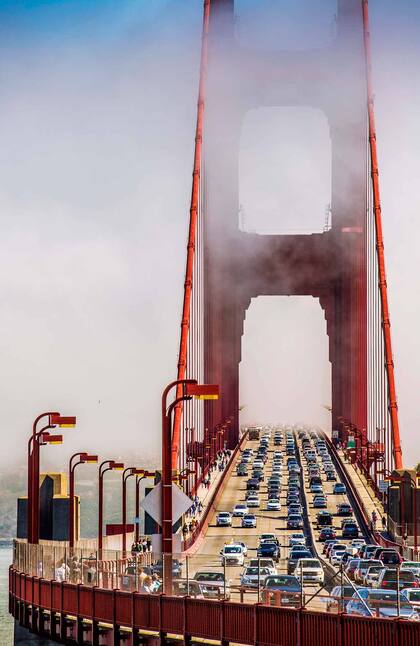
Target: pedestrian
[
  {"x": 383, "y": 523},
  {"x": 146, "y": 585},
  {"x": 144, "y": 545},
  {"x": 62, "y": 572},
  {"x": 133, "y": 549},
  {"x": 149, "y": 544}
]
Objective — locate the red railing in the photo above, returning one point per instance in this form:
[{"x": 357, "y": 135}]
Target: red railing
[{"x": 32, "y": 598}]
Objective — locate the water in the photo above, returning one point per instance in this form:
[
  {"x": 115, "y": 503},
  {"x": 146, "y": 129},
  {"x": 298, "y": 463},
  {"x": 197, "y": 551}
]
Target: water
[{"x": 6, "y": 621}]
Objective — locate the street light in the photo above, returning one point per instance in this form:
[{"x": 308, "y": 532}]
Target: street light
[
  {"x": 127, "y": 473},
  {"x": 188, "y": 388},
  {"x": 184, "y": 474},
  {"x": 33, "y": 461},
  {"x": 84, "y": 458},
  {"x": 107, "y": 465},
  {"x": 54, "y": 419}
]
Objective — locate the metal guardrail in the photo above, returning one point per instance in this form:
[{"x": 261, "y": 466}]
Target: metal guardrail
[{"x": 80, "y": 614}]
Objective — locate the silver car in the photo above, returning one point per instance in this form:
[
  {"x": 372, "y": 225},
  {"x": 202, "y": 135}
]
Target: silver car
[{"x": 249, "y": 578}]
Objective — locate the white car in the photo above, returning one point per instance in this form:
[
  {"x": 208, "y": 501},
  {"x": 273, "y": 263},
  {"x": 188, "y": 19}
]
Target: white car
[
  {"x": 372, "y": 575},
  {"x": 253, "y": 501},
  {"x": 258, "y": 464},
  {"x": 273, "y": 504},
  {"x": 337, "y": 554},
  {"x": 232, "y": 554},
  {"x": 414, "y": 566},
  {"x": 240, "y": 510},
  {"x": 250, "y": 577},
  {"x": 224, "y": 519},
  {"x": 297, "y": 539},
  {"x": 309, "y": 571}
]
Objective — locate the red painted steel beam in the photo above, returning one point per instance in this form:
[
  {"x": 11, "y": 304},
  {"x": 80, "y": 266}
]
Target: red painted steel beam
[
  {"x": 386, "y": 324},
  {"x": 192, "y": 234}
]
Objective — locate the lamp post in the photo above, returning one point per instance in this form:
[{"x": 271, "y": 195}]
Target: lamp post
[
  {"x": 41, "y": 438},
  {"x": 127, "y": 473},
  {"x": 184, "y": 475},
  {"x": 54, "y": 419},
  {"x": 146, "y": 474},
  {"x": 190, "y": 388},
  {"x": 107, "y": 465},
  {"x": 83, "y": 458},
  {"x": 33, "y": 466},
  {"x": 33, "y": 469}
]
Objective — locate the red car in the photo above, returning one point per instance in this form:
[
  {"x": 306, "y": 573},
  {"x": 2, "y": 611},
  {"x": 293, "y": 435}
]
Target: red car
[{"x": 327, "y": 533}]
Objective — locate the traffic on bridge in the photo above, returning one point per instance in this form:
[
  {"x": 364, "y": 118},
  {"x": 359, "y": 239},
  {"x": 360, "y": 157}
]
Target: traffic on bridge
[{"x": 280, "y": 534}]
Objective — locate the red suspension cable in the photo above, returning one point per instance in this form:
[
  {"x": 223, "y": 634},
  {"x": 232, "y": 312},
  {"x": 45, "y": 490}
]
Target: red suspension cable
[
  {"x": 192, "y": 233},
  {"x": 386, "y": 325}
]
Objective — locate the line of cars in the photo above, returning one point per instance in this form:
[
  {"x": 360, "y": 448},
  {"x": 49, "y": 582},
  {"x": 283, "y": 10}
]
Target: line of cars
[
  {"x": 370, "y": 586},
  {"x": 377, "y": 581}
]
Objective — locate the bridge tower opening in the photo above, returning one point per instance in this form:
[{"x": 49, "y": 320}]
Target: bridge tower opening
[{"x": 285, "y": 373}]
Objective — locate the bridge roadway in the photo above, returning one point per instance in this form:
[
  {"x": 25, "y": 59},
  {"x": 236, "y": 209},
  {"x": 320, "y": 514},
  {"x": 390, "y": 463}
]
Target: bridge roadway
[{"x": 207, "y": 555}]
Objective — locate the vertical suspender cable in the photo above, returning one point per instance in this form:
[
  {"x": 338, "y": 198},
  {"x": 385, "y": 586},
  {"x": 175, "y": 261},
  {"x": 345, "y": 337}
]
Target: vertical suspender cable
[
  {"x": 194, "y": 204},
  {"x": 386, "y": 325}
]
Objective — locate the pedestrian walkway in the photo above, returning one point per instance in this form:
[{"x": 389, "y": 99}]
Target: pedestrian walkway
[
  {"x": 365, "y": 491},
  {"x": 205, "y": 495}
]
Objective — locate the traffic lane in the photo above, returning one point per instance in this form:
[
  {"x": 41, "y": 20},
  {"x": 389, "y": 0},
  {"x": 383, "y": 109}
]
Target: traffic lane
[
  {"x": 273, "y": 522},
  {"x": 332, "y": 501},
  {"x": 217, "y": 537}
]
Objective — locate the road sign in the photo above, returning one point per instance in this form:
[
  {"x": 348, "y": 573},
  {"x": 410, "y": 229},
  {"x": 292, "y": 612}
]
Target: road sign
[
  {"x": 136, "y": 520},
  {"x": 152, "y": 503},
  {"x": 383, "y": 485},
  {"x": 335, "y": 434},
  {"x": 351, "y": 444}
]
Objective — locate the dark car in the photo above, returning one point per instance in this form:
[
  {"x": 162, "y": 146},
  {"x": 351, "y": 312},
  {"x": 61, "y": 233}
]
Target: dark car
[
  {"x": 350, "y": 530},
  {"x": 331, "y": 476},
  {"x": 344, "y": 509},
  {"x": 315, "y": 480},
  {"x": 253, "y": 484},
  {"x": 387, "y": 556},
  {"x": 327, "y": 533},
  {"x": 282, "y": 589},
  {"x": 389, "y": 578},
  {"x": 269, "y": 550},
  {"x": 241, "y": 470},
  {"x": 324, "y": 519}
]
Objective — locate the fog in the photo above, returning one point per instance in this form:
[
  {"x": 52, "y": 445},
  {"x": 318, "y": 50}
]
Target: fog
[{"x": 97, "y": 116}]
